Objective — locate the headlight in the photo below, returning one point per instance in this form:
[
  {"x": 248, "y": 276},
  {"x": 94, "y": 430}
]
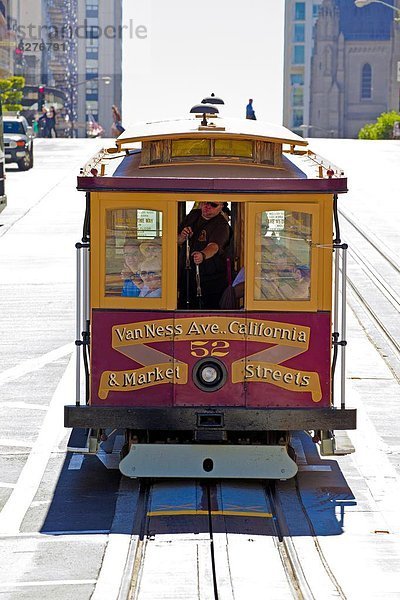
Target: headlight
[{"x": 209, "y": 374}]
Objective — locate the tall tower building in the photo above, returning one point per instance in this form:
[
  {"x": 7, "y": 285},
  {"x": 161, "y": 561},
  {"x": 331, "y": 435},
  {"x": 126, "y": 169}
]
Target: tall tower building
[
  {"x": 24, "y": 22},
  {"x": 300, "y": 18},
  {"x": 5, "y": 42},
  {"x": 99, "y": 62},
  {"x": 60, "y": 69}
]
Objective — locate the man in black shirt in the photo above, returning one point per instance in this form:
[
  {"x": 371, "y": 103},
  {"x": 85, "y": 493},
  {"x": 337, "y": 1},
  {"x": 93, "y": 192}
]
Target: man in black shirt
[{"x": 208, "y": 233}]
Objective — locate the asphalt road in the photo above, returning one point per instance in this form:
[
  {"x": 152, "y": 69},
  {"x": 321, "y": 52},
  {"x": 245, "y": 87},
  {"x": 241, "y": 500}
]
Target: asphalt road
[{"x": 57, "y": 511}]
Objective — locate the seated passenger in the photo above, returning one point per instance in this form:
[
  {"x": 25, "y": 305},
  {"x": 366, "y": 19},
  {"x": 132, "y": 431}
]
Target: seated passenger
[
  {"x": 150, "y": 273},
  {"x": 301, "y": 286},
  {"x": 207, "y": 232},
  {"x": 132, "y": 281},
  {"x": 292, "y": 283},
  {"x": 151, "y": 249},
  {"x": 233, "y": 296}
]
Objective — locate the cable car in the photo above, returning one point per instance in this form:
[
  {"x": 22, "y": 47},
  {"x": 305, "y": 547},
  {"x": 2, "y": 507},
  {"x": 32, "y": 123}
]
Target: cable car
[{"x": 200, "y": 391}]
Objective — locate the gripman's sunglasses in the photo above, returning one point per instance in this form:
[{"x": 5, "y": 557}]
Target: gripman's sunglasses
[{"x": 213, "y": 204}]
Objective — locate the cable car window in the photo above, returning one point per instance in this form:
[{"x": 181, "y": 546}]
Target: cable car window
[
  {"x": 242, "y": 148},
  {"x": 181, "y": 148},
  {"x": 156, "y": 152},
  {"x": 282, "y": 255},
  {"x": 133, "y": 253}
]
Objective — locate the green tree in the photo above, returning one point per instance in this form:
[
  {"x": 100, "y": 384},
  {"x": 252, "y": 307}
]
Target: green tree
[
  {"x": 11, "y": 93},
  {"x": 382, "y": 129}
]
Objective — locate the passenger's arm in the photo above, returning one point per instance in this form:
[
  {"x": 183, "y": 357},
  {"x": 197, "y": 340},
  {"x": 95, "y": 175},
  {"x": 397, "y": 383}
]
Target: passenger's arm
[{"x": 209, "y": 251}]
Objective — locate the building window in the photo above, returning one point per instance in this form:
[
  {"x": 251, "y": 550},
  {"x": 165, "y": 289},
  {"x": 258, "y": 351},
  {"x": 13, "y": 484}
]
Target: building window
[
  {"x": 92, "y": 106},
  {"x": 298, "y": 55},
  {"x": 297, "y": 96},
  {"x": 315, "y": 11},
  {"x": 297, "y": 119},
  {"x": 366, "y": 82},
  {"x": 92, "y": 53},
  {"x": 92, "y": 28},
  {"x": 91, "y": 65},
  {"x": 298, "y": 32},
  {"x": 92, "y": 90},
  {"x": 297, "y": 79},
  {"x": 92, "y": 8},
  {"x": 300, "y": 11}
]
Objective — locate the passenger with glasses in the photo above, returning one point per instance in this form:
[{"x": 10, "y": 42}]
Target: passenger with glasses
[
  {"x": 203, "y": 237},
  {"x": 131, "y": 278},
  {"x": 150, "y": 274}
]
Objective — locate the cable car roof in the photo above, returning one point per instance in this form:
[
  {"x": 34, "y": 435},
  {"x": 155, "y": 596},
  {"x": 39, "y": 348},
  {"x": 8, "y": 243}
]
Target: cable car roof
[{"x": 216, "y": 127}]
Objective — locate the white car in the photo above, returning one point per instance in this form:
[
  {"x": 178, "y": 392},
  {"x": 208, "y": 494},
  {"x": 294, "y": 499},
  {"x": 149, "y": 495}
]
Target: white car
[{"x": 18, "y": 141}]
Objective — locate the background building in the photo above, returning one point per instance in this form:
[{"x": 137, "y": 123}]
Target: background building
[
  {"x": 342, "y": 66},
  {"x": 5, "y": 42},
  {"x": 300, "y": 18},
  {"x": 73, "y": 48},
  {"x": 354, "y": 67},
  {"x": 99, "y": 63},
  {"x": 25, "y": 20}
]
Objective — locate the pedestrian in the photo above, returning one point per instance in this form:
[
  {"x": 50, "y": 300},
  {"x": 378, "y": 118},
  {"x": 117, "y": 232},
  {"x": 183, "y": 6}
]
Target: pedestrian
[
  {"x": 250, "y": 114},
  {"x": 116, "y": 127},
  {"x": 51, "y": 122},
  {"x": 203, "y": 237},
  {"x": 43, "y": 123}
]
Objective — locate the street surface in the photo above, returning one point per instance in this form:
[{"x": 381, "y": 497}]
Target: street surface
[{"x": 65, "y": 520}]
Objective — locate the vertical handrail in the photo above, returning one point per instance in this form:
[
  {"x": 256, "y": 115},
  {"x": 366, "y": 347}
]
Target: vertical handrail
[
  {"x": 85, "y": 286},
  {"x": 344, "y": 327},
  {"x": 336, "y": 294},
  {"x": 335, "y": 333},
  {"x": 86, "y": 318},
  {"x": 78, "y": 329},
  {"x": 339, "y": 337}
]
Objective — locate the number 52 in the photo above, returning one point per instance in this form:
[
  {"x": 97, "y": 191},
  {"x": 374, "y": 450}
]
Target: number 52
[{"x": 202, "y": 349}]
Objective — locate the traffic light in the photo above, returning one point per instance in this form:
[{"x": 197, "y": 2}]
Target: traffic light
[{"x": 41, "y": 97}]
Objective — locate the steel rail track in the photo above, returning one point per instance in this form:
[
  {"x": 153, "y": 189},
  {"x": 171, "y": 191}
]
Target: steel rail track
[
  {"x": 386, "y": 290},
  {"x": 295, "y": 572},
  {"x": 375, "y": 242},
  {"x": 130, "y": 585},
  {"x": 137, "y": 551}
]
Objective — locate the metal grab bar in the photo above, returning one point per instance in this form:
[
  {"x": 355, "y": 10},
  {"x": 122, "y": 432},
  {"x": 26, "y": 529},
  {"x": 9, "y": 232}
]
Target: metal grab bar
[
  {"x": 344, "y": 325},
  {"x": 339, "y": 338},
  {"x": 81, "y": 310}
]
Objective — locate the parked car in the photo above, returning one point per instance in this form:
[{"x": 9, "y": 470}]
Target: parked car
[{"x": 18, "y": 141}]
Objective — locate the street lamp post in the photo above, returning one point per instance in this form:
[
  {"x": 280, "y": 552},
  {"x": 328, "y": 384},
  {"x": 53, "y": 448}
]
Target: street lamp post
[
  {"x": 362, "y": 3},
  {"x": 107, "y": 81}
]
